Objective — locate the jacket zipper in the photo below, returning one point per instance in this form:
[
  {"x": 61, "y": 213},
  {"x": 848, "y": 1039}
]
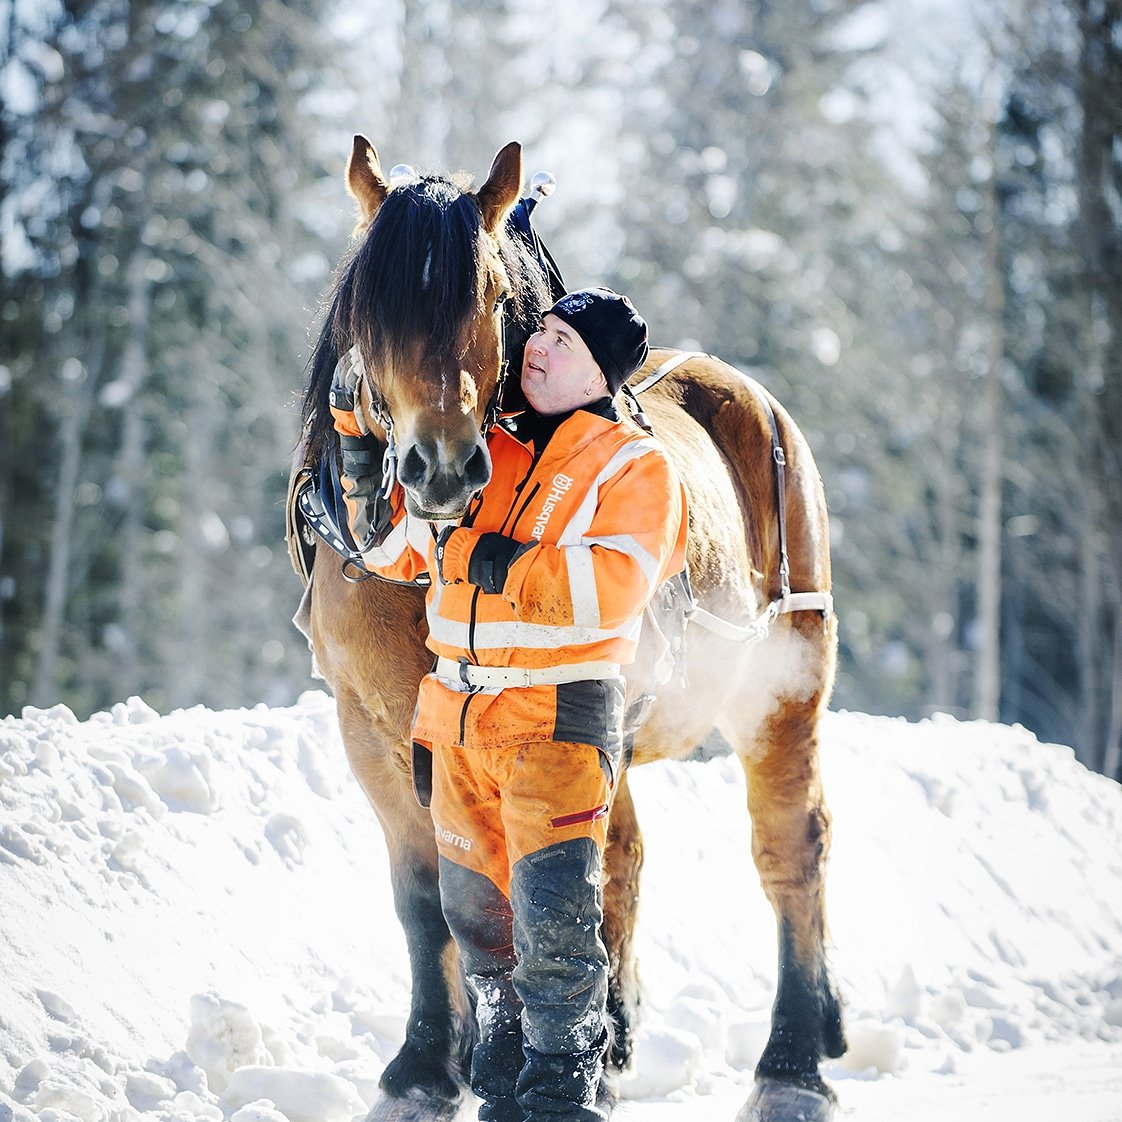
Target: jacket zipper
[
  {"x": 463, "y": 717},
  {"x": 471, "y": 624},
  {"x": 522, "y": 509},
  {"x": 478, "y": 591},
  {"x": 474, "y": 658}
]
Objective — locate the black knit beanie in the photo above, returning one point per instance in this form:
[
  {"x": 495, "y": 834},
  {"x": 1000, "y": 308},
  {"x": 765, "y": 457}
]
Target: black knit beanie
[{"x": 611, "y": 328}]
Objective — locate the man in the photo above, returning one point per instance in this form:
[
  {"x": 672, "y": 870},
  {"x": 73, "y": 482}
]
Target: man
[{"x": 536, "y": 600}]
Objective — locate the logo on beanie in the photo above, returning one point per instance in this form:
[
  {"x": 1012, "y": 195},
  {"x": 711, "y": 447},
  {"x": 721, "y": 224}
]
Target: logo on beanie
[
  {"x": 575, "y": 301},
  {"x": 561, "y": 484}
]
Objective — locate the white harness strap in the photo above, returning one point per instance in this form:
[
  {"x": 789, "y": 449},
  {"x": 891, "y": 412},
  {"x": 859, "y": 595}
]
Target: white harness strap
[
  {"x": 760, "y": 627},
  {"x": 671, "y": 363}
]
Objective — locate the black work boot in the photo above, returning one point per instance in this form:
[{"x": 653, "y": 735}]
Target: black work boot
[
  {"x": 495, "y": 1065},
  {"x": 562, "y": 979},
  {"x": 501, "y": 1110},
  {"x": 564, "y": 1088}
]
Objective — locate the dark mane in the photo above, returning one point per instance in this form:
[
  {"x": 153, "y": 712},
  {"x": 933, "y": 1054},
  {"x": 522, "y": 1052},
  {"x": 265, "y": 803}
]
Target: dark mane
[
  {"x": 415, "y": 280},
  {"x": 416, "y": 275}
]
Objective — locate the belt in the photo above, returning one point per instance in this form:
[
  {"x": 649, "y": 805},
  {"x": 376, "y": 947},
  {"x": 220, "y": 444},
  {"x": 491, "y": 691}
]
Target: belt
[{"x": 483, "y": 677}]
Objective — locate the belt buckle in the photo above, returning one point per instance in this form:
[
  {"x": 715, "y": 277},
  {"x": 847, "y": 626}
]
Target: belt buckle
[
  {"x": 464, "y": 672},
  {"x": 527, "y": 677}
]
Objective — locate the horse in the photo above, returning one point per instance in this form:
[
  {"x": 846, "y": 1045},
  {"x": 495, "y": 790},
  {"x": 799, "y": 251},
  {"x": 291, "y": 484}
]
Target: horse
[{"x": 429, "y": 294}]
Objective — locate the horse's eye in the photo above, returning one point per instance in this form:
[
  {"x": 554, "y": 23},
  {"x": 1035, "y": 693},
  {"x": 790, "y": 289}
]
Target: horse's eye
[{"x": 502, "y": 299}]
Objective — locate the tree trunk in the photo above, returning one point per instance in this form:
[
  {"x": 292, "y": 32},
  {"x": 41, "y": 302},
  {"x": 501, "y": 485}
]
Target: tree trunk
[
  {"x": 77, "y": 384},
  {"x": 1099, "y": 177},
  {"x": 1112, "y": 754},
  {"x": 131, "y": 473},
  {"x": 987, "y": 694}
]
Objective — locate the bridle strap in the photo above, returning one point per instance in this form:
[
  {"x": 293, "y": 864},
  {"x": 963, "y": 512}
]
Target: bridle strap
[
  {"x": 378, "y": 411},
  {"x": 495, "y": 404}
]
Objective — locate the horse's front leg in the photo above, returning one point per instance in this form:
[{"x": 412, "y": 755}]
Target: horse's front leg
[
  {"x": 790, "y": 840},
  {"x": 425, "y": 1081},
  {"x": 429, "y": 1067}
]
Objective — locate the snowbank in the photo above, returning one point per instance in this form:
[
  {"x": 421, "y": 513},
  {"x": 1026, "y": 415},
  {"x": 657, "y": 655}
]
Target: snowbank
[{"x": 195, "y": 919}]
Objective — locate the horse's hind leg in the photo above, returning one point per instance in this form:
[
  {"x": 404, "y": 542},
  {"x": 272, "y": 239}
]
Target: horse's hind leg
[
  {"x": 623, "y": 859},
  {"x": 425, "y": 1081},
  {"x": 790, "y": 839}
]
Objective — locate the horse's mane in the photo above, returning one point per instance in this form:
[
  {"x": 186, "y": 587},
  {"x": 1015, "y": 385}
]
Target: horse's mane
[{"x": 414, "y": 280}]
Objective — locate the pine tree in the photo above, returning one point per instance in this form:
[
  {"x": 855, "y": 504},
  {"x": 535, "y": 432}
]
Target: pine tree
[{"x": 163, "y": 298}]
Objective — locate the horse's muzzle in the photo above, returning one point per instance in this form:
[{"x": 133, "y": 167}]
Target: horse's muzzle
[{"x": 440, "y": 479}]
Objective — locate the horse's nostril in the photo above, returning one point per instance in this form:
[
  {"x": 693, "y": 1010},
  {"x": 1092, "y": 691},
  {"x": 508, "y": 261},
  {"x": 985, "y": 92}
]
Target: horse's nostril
[
  {"x": 477, "y": 470},
  {"x": 412, "y": 469}
]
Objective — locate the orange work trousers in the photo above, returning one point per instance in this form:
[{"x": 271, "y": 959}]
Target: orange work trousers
[
  {"x": 521, "y": 832},
  {"x": 491, "y": 807}
]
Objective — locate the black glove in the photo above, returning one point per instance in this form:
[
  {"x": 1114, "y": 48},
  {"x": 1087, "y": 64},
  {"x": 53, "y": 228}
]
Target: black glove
[
  {"x": 491, "y": 560},
  {"x": 481, "y": 559},
  {"x": 362, "y": 466}
]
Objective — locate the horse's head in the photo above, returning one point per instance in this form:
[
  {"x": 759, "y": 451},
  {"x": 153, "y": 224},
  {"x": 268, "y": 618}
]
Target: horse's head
[{"x": 423, "y": 299}]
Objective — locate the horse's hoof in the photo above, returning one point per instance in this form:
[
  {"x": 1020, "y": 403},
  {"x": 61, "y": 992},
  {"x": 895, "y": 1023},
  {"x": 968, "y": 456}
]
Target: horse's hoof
[
  {"x": 418, "y": 1107},
  {"x": 774, "y": 1101}
]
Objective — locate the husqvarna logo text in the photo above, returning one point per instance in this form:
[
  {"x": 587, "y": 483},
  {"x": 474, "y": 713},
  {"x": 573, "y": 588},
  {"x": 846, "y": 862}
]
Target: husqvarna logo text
[
  {"x": 561, "y": 484},
  {"x": 449, "y": 838}
]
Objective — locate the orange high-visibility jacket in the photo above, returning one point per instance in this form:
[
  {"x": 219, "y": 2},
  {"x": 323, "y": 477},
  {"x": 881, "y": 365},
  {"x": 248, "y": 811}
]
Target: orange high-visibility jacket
[{"x": 603, "y": 514}]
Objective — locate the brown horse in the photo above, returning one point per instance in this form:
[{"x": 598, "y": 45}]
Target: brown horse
[{"x": 432, "y": 281}]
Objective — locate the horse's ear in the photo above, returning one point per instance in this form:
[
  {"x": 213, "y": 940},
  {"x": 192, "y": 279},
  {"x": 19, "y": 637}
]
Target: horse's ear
[
  {"x": 500, "y": 192},
  {"x": 365, "y": 181}
]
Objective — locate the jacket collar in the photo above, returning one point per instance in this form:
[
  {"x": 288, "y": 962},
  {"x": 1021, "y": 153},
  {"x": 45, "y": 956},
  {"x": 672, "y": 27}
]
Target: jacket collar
[{"x": 530, "y": 427}]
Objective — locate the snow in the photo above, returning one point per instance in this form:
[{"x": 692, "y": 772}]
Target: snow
[{"x": 195, "y": 923}]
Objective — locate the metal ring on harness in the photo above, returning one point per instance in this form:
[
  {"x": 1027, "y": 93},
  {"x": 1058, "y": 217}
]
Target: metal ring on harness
[
  {"x": 353, "y": 573},
  {"x": 389, "y": 460}
]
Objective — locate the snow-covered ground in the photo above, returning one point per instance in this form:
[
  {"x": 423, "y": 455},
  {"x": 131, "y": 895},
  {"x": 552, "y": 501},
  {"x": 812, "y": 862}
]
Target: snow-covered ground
[{"x": 195, "y": 924}]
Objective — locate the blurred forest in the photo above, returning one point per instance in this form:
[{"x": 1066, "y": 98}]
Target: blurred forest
[{"x": 904, "y": 217}]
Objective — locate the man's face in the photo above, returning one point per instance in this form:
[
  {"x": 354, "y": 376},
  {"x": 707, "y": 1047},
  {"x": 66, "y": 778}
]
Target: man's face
[{"x": 558, "y": 370}]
